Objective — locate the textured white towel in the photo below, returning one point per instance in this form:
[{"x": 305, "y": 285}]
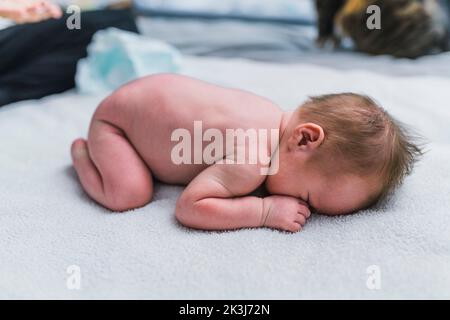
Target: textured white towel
[{"x": 47, "y": 223}]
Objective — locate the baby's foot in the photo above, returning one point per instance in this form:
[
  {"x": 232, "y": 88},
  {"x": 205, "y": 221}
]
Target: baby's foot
[
  {"x": 79, "y": 149},
  {"x": 86, "y": 170}
]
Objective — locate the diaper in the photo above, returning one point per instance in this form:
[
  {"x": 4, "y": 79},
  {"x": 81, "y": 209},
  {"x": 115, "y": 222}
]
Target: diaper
[{"x": 116, "y": 57}]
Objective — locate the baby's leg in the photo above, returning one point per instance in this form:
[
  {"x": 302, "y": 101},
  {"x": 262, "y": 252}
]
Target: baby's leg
[{"x": 110, "y": 169}]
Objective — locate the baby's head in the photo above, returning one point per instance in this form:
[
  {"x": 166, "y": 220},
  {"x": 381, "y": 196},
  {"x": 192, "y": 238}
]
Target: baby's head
[{"x": 341, "y": 153}]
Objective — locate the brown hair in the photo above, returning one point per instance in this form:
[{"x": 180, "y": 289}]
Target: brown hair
[{"x": 365, "y": 136}]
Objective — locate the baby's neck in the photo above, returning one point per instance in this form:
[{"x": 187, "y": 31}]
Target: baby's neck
[
  {"x": 275, "y": 149},
  {"x": 285, "y": 118}
]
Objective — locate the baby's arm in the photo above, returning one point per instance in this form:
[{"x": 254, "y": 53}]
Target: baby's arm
[{"x": 216, "y": 200}]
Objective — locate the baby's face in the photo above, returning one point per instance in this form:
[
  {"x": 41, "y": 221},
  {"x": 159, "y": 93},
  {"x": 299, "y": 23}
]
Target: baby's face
[{"x": 341, "y": 194}]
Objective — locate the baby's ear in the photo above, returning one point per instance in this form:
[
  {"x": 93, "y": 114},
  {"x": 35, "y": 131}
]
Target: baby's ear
[{"x": 306, "y": 137}]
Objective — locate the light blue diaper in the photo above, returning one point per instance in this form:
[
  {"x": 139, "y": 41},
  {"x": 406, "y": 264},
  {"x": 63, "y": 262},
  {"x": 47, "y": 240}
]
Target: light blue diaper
[{"x": 116, "y": 57}]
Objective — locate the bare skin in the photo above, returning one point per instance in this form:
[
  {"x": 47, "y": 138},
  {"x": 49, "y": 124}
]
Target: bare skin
[
  {"x": 29, "y": 11},
  {"x": 129, "y": 145}
]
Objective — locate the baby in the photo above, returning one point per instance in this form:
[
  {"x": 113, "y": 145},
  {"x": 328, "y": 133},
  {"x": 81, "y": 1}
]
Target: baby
[{"x": 336, "y": 154}]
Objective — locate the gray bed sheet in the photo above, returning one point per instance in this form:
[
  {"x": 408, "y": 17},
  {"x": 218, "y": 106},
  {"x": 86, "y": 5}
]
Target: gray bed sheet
[
  {"x": 263, "y": 41},
  {"x": 278, "y": 43}
]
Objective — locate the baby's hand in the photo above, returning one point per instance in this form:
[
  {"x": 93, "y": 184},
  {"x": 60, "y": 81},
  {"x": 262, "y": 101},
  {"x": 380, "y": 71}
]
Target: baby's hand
[{"x": 285, "y": 213}]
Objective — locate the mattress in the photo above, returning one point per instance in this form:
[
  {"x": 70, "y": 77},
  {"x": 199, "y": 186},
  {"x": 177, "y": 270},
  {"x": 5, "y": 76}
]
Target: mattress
[{"x": 57, "y": 243}]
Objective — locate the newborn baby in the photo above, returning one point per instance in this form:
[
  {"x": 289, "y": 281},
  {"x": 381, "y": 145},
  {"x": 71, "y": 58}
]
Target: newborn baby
[{"x": 335, "y": 154}]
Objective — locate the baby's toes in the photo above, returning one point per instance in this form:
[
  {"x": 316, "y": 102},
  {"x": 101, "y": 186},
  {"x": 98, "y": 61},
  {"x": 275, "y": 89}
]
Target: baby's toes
[{"x": 79, "y": 148}]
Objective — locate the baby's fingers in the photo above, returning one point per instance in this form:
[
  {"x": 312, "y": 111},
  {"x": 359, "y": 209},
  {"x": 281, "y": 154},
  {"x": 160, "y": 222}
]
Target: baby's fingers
[
  {"x": 300, "y": 219},
  {"x": 304, "y": 210},
  {"x": 294, "y": 227}
]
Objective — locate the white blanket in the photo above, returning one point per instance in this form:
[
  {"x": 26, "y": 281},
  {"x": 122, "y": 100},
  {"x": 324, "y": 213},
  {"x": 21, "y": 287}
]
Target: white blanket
[{"x": 48, "y": 224}]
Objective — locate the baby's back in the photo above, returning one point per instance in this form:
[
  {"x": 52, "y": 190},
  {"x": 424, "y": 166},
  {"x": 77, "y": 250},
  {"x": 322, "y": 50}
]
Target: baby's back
[{"x": 158, "y": 112}]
